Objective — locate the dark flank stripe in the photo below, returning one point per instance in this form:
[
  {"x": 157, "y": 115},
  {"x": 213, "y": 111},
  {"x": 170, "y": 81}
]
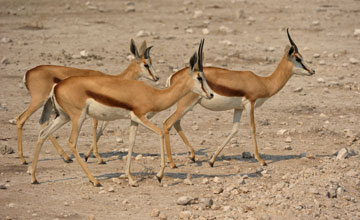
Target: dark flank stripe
[
  {"x": 225, "y": 91},
  {"x": 106, "y": 100}
]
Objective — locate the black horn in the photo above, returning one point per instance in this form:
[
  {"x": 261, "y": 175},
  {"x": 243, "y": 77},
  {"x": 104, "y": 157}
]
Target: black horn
[
  {"x": 200, "y": 55},
  {"x": 291, "y": 41},
  {"x": 147, "y": 52}
]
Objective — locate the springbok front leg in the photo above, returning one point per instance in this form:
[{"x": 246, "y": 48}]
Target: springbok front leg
[
  {"x": 146, "y": 123},
  {"x": 97, "y": 134},
  {"x": 235, "y": 129},
  {"x": 250, "y": 107},
  {"x": 174, "y": 120}
]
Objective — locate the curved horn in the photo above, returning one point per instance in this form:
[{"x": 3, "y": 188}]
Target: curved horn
[
  {"x": 147, "y": 52},
  {"x": 291, "y": 41},
  {"x": 200, "y": 54}
]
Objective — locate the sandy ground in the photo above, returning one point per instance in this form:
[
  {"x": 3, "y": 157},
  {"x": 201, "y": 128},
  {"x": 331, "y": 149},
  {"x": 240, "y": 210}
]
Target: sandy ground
[{"x": 299, "y": 130}]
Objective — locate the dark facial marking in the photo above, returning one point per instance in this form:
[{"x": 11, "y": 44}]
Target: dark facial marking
[{"x": 56, "y": 80}]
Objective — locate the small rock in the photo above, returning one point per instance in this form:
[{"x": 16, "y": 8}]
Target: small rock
[
  {"x": 288, "y": 140},
  {"x": 189, "y": 31},
  {"x": 185, "y": 215},
  {"x": 227, "y": 208},
  {"x": 287, "y": 147},
  {"x": 320, "y": 80},
  {"x": 142, "y": 33},
  {"x": 258, "y": 39},
  {"x": 340, "y": 190},
  {"x": 225, "y": 29},
  {"x": 217, "y": 180},
  {"x": 218, "y": 190},
  {"x": 208, "y": 203},
  {"x": 12, "y": 205},
  {"x": 102, "y": 192},
  {"x": 270, "y": 49},
  {"x": 5, "y": 40},
  {"x": 246, "y": 155},
  {"x": 138, "y": 157},
  {"x": 66, "y": 204},
  {"x": 281, "y": 132},
  {"x": 342, "y": 154},
  {"x": 205, "y": 31},
  {"x": 357, "y": 32},
  {"x": 353, "y": 60},
  {"x": 315, "y": 23},
  {"x": 197, "y": 13},
  {"x": 195, "y": 127},
  {"x": 6, "y": 150},
  {"x": 5, "y": 60},
  {"x": 322, "y": 62},
  {"x": 2, "y": 186},
  {"x": 298, "y": 89},
  {"x": 322, "y": 115},
  {"x": 226, "y": 42},
  {"x": 162, "y": 216},
  {"x": 184, "y": 200},
  {"x": 130, "y": 8},
  {"x": 84, "y": 54},
  {"x": 155, "y": 213},
  {"x": 111, "y": 189},
  {"x": 119, "y": 140},
  {"x": 303, "y": 154},
  {"x": 316, "y": 55},
  {"x": 205, "y": 181}
]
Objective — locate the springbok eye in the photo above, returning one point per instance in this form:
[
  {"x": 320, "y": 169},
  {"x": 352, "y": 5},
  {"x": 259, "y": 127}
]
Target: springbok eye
[
  {"x": 199, "y": 78},
  {"x": 298, "y": 59},
  {"x": 146, "y": 65}
]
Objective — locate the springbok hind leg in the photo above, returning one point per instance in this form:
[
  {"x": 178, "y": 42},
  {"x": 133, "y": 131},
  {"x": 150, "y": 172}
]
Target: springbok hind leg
[
  {"x": 235, "y": 129},
  {"x": 94, "y": 148}
]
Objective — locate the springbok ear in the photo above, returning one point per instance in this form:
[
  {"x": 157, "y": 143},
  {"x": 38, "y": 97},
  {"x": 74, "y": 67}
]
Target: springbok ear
[
  {"x": 147, "y": 52},
  {"x": 193, "y": 63},
  {"x": 291, "y": 51},
  {"x": 134, "y": 50},
  {"x": 142, "y": 48}
]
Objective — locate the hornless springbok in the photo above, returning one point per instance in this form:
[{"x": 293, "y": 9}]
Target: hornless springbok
[
  {"x": 109, "y": 98},
  {"x": 40, "y": 80},
  {"x": 236, "y": 90}
]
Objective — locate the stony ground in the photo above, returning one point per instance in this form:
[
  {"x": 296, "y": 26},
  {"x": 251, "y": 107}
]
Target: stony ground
[{"x": 308, "y": 133}]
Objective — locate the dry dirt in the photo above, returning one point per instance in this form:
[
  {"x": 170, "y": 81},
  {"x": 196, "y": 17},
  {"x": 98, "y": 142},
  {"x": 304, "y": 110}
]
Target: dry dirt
[{"x": 320, "y": 113}]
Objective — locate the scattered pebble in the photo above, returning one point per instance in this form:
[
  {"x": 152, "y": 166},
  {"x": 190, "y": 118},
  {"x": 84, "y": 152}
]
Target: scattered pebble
[
  {"x": 320, "y": 80},
  {"x": 342, "y": 154},
  {"x": 155, "y": 213},
  {"x": 5, "y": 60},
  {"x": 138, "y": 157},
  {"x": 281, "y": 132},
  {"x": 246, "y": 155},
  {"x": 185, "y": 200},
  {"x": 353, "y": 60},
  {"x": 205, "y": 31},
  {"x": 287, "y": 147},
  {"x": 130, "y": 8},
  {"x": 298, "y": 89},
  {"x": 142, "y": 33},
  {"x": 185, "y": 214},
  {"x": 6, "y": 150}
]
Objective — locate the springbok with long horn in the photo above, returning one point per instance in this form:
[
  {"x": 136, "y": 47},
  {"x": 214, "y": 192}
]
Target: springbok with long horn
[
  {"x": 40, "y": 80},
  {"x": 109, "y": 98},
  {"x": 238, "y": 90}
]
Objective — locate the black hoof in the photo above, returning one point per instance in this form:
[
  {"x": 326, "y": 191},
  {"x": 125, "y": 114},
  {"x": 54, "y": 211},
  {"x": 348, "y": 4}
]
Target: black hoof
[
  {"x": 68, "y": 160},
  {"x": 24, "y": 163},
  {"x": 159, "y": 179},
  {"x": 192, "y": 159},
  {"x": 35, "y": 182},
  {"x": 211, "y": 164},
  {"x": 86, "y": 159},
  {"x": 102, "y": 162}
]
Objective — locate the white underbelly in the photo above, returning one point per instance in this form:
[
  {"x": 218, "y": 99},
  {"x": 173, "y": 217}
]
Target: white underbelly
[
  {"x": 222, "y": 103},
  {"x": 106, "y": 113}
]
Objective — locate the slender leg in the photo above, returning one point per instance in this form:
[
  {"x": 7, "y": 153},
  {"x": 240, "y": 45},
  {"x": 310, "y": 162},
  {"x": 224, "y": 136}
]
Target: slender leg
[
  {"x": 250, "y": 108},
  {"x": 76, "y": 127},
  {"x": 61, "y": 151},
  {"x": 44, "y": 134},
  {"x": 97, "y": 134},
  {"x": 146, "y": 123},
  {"x": 183, "y": 106},
  {"x": 235, "y": 129},
  {"x": 132, "y": 136},
  {"x": 20, "y": 121}
]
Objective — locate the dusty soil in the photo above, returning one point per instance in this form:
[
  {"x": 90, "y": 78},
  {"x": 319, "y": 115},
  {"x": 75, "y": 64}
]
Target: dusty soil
[{"x": 317, "y": 115}]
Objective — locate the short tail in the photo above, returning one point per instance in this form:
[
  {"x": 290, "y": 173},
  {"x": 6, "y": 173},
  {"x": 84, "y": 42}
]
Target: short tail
[{"x": 48, "y": 107}]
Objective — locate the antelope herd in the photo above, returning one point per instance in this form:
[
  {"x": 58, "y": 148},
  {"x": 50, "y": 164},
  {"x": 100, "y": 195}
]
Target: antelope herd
[{"x": 72, "y": 94}]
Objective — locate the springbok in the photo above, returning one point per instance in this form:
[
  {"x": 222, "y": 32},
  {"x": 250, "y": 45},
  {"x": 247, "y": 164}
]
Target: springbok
[
  {"x": 40, "y": 80},
  {"x": 109, "y": 98},
  {"x": 236, "y": 90}
]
